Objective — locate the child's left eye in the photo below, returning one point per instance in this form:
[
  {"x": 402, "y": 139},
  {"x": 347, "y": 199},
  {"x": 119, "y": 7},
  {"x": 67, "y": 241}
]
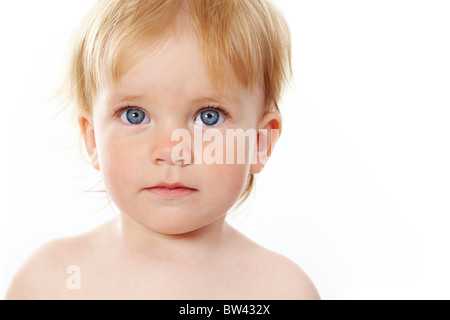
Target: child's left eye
[{"x": 210, "y": 117}]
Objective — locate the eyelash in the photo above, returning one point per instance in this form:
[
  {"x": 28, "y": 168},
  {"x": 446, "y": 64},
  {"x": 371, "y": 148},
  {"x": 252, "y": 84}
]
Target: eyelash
[
  {"x": 119, "y": 111},
  {"x": 225, "y": 113}
]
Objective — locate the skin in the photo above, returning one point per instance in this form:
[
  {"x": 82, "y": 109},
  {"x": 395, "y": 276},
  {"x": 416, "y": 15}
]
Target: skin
[{"x": 160, "y": 248}]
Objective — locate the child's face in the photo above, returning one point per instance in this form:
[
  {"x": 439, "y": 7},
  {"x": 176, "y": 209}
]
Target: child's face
[{"x": 168, "y": 89}]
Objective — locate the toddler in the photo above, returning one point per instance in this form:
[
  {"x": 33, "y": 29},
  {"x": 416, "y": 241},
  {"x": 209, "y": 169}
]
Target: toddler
[{"x": 177, "y": 105}]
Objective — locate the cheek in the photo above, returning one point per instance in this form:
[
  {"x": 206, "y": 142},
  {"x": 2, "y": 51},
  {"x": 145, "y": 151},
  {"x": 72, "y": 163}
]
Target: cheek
[
  {"x": 224, "y": 182},
  {"x": 119, "y": 164}
]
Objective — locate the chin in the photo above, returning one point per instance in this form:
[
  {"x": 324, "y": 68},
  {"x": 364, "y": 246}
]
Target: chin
[
  {"x": 175, "y": 229},
  {"x": 184, "y": 225}
]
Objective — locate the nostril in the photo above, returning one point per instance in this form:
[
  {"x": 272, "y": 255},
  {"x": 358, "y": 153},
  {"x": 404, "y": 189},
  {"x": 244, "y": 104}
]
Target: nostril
[
  {"x": 176, "y": 162},
  {"x": 181, "y": 162},
  {"x": 173, "y": 153}
]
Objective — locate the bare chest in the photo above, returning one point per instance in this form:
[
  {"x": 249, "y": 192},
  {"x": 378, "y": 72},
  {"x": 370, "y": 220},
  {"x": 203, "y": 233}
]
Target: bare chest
[{"x": 161, "y": 281}]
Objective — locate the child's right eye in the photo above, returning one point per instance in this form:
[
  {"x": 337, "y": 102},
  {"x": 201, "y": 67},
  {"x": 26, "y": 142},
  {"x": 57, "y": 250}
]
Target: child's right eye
[{"x": 134, "y": 116}]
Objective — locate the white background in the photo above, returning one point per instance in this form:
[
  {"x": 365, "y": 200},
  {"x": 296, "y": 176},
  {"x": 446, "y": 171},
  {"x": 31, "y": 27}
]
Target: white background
[{"x": 358, "y": 189}]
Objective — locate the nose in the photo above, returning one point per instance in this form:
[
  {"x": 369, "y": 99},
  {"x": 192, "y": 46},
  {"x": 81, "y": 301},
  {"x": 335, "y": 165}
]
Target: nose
[{"x": 172, "y": 147}]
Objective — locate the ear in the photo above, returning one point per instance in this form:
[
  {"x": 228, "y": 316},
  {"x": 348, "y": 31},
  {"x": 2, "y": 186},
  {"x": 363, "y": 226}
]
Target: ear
[
  {"x": 88, "y": 133},
  {"x": 269, "y": 130}
]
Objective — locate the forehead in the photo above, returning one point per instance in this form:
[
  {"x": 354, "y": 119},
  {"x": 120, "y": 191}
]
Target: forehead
[{"x": 175, "y": 67}]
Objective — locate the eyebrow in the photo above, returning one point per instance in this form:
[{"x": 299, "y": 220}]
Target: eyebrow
[
  {"x": 216, "y": 97},
  {"x": 114, "y": 98}
]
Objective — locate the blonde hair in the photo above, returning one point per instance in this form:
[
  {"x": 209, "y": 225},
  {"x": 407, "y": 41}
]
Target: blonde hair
[{"x": 251, "y": 35}]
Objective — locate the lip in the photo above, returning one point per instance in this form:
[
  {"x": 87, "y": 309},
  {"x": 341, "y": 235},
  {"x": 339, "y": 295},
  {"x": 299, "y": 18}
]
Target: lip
[{"x": 171, "y": 190}]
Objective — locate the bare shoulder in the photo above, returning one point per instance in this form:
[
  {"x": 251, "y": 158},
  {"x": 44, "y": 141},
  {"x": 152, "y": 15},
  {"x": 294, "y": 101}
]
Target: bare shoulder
[
  {"x": 44, "y": 274},
  {"x": 276, "y": 276},
  {"x": 39, "y": 276},
  {"x": 287, "y": 277}
]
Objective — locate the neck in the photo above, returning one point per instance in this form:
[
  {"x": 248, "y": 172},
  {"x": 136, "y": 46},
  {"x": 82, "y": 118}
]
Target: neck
[{"x": 139, "y": 240}]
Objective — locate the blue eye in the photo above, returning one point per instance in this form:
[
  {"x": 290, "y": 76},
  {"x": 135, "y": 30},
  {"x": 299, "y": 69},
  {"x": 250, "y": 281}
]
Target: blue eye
[
  {"x": 134, "y": 116},
  {"x": 209, "y": 117}
]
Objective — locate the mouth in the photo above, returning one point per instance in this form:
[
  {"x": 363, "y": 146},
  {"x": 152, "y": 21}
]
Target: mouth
[{"x": 171, "y": 191}]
